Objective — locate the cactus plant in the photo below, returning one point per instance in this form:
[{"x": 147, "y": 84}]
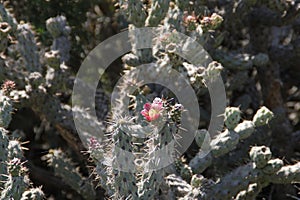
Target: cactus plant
[
  {"x": 14, "y": 179},
  {"x": 252, "y": 46}
]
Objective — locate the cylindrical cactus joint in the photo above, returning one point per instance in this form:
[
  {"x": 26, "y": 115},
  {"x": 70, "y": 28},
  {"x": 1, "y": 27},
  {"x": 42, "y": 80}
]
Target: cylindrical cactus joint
[
  {"x": 4, "y": 141},
  {"x": 200, "y": 136},
  {"x": 6, "y": 109},
  {"x": 224, "y": 143},
  {"x": 15, "y": 149},
  {"x": 52, "y": 58},
  {"x": 260, "y": 156},
  {"x": 245, "y": 129},
  {"x": 211, "y": 72},
  {"x": 273, "y": 166},
  {"x": 232, "y": 117},
  {"x": 15, "y": 167},
  {"x": 57, "y": 26},
  {"x": 263, "y": 116}
]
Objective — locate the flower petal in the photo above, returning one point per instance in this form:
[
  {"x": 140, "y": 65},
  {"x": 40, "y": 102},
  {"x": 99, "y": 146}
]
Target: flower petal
[
  {"x": 148, "y": 118},
  {"x": 147, "y": 106},
  {"x": 145, "y": 113}
]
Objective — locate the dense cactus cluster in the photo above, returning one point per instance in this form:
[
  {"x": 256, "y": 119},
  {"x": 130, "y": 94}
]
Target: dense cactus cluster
[
  {"x": 14, "y": 181},
  {"x": 235, "y": 136}
]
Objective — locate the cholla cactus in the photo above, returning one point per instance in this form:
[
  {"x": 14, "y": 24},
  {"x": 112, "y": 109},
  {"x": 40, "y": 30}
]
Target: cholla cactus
[
  {"x": 14, "y": 180},
  {"x": 157, "y": 12},
  {"x": 250, "y": 44},
  {"x": 260, "y": 156},
  {"x": 17, "y": 182},
  {"x": 229, "y": 138},
  {"x": 60, "y": 31},
  {"x": 232, "y": 117},
  {"x": 28, "y": 47},
  {"x": 64, "y": 168},
  {"x": 245, "y": 129},
  {"x": 58, "y": 26},
  {"x": 263, "y": 116},
  {"x": 244, "y": 182},
  {"x": 3, "y": 155},
  {"x": 6, "y": 110},
  {"x": 132, "y": 174}
]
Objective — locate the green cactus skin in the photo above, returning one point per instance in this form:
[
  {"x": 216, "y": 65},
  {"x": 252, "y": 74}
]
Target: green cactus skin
[
  {"x": 150, "y": 185},
  {"x": 64, "y": 168},
  {"x": 157, "y": 12},
  {"x": 240, "y": 181},
  {"x": 14, "y": 150},
  {"x": 52, "y": 59},
  {"x": 133, "y": 148},
  {"x": 28, "y": 47},
  {"x": 163, "y": 139},
  {"x": 6, "y": 109},
  {"x": 273, "y": 166},
  {"x": 174, "y": 18},
  {"x": 152, "y": 180},
  {"x": 200, "y": 136},
  {"x": 262, "y": 117},
  {"x": 14, "y": 187},
  {"x": 17, "y": 182},
  {"x": 227, "y": 140},
  {"x": 245, "y": 182},
  {"x": 245, "y": 129},
  {"x": 260, "y": 156},
  {"x": 211, "y": 72},
  {"x": 232, "y": 117},
  {"x": 137, "y": 38},
  {"x": 224, "y": 143},
  {"x": 57, "y": 26},
  {"x": 96, "y": 151},
  {"x": 199, "y": 163},
  {"x": 57, "y": 71},
  {"x": 135, "y": 11},
  {"x": 4, "y": 141},
  {"x": 287, "y": 174},
  {"x": 125, "y": 183},
  {"x": 13, "y": 178},
  {"x": 60, "y": 31}
]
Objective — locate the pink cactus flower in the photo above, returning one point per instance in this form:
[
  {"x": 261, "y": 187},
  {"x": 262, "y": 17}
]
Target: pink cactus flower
[{"x": 152, "y": 111}]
